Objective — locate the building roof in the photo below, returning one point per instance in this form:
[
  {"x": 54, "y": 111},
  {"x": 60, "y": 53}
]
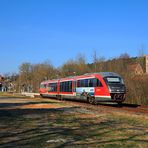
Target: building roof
[
  {"x": 1, "y": 78},
  {"x": 135, "y": 68},
  {"x": 132, "y": 67}
]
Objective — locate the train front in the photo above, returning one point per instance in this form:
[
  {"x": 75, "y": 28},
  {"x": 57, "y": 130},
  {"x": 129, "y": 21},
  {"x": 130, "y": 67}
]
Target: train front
[{"x": 116, "y": 87}]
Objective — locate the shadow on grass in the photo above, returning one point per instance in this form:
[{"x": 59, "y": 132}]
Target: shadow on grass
[
  {"x": 59, "y": 128},
  {"x": 23, "y": 126},
  {"x": 20, "y": 112}
]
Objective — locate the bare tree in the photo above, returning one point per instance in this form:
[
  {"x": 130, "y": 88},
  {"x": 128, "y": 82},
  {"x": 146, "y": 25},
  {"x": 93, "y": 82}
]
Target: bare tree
[
  {"x": 124, "y": 56},
  {"x": 31, "y": 75},
  {"x": 69, "y": 68},
  {"x": 42, "y": 72},
  {"x": 141, "y": 51},
  {"x": 95, "y": 60},
  {"x": 25, "y": 76},
  {"x": 81, "y": 62}
]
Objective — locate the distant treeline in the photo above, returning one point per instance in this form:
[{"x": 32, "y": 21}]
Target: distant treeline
[{"x": 30, "y": 75}]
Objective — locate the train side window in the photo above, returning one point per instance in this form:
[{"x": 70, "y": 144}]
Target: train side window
[
  {"x": 60, "y": 87},
  {"x": 75, "y": 84},
  {"x": 93, "y": 82},
  {"x": 97, "y": 83},
  {"x": 52, "y": 87},
  {"x": 81, "y": 83},
  {"x": 86, "y": 83},
  {"x": 78, "y": 83},
  {"x": 70, "y": 86},
  {"x": 90, "y": 83},
  {"x": 66, "y": 86}
]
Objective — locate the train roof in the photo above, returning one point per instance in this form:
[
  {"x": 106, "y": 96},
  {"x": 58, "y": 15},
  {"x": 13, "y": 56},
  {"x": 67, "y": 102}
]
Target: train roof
[{"x": 104, "y": 74}]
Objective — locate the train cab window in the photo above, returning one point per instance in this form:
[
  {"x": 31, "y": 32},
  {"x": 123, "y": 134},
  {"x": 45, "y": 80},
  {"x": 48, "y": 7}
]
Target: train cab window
[
  {"x": 42, "y": 85},
  {"x": 115, "y": 80}
]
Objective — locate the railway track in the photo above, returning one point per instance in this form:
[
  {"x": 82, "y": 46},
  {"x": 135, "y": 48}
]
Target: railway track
[
  {"x": 125, "y": 107},
  {"x": 134, "y": 108}
]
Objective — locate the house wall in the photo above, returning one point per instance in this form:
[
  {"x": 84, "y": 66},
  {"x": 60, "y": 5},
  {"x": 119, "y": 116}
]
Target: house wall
[{"x": 146, "y": 62}]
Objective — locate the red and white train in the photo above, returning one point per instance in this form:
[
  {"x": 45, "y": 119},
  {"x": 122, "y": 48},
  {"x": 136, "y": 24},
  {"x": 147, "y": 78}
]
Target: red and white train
[{"x": 93, "y": 87}]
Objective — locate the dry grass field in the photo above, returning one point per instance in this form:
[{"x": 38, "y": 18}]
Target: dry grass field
[{"x": 28, "y": 122}]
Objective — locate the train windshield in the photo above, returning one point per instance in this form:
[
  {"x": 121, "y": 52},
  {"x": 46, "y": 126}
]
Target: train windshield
[
  {"x": 113, "y": 80},
  {"x": 42, "y": 85}
]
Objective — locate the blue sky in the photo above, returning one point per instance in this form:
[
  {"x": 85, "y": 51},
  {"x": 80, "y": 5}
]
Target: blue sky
[{"x": 57, "y": 30}]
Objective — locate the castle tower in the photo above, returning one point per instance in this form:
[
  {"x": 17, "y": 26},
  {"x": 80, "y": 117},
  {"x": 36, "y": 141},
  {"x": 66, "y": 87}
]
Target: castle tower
[{"x": 146, "y": 63}]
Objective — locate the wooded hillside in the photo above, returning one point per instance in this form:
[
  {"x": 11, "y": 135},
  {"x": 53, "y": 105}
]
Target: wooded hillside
[{"x": 30, "y": 75}]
